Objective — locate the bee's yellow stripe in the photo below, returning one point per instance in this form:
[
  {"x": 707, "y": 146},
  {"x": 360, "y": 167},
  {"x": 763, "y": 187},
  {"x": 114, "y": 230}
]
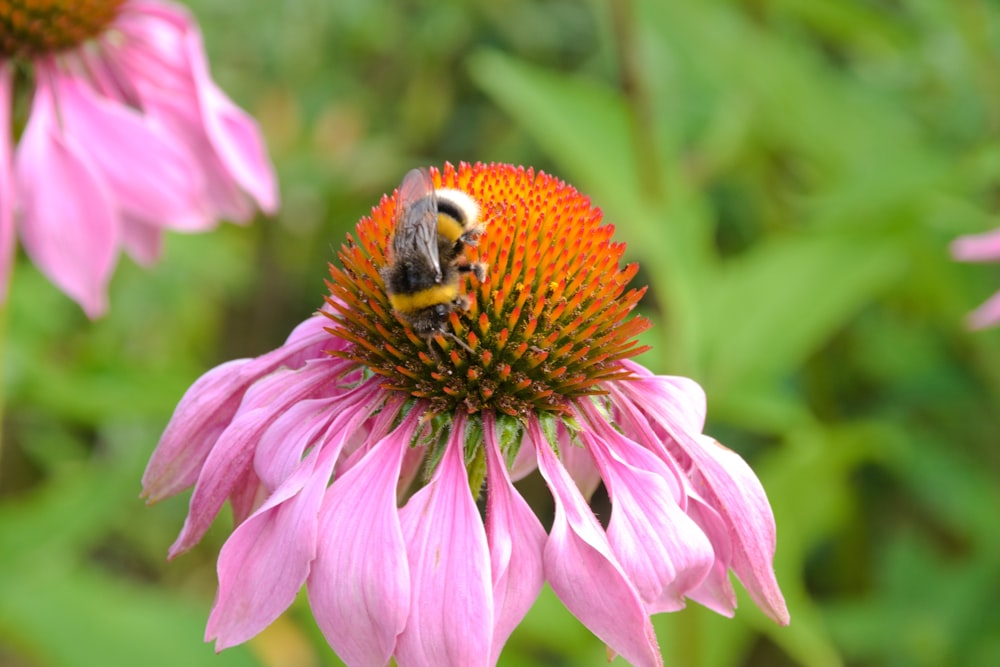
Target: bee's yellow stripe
[
  {"x": 425, "y": 298},
  {"x": 449, "y": 227}
]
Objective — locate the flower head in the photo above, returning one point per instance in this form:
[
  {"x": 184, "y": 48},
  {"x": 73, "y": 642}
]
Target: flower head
[
  {"x": 547, "y": 325},
  {"x": 127, "y": 135},
  {"x": 981, "y": 248},
  {"x": 353, "y": 456}
]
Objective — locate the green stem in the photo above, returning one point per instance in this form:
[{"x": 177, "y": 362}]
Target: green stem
[{"x": 640, "y": 107}]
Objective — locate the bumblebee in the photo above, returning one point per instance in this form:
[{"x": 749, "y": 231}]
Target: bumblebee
[{"x": 431, "y": 230}]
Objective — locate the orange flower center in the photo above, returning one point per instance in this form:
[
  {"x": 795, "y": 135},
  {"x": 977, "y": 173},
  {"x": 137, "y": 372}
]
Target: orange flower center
[
  {"x": 30, "y": 28},
  {"x": 548, "y": 323}
]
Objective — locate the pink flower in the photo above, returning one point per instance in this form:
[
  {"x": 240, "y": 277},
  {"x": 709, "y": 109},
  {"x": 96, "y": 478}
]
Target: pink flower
[
  {"x": 981, "y": 248},
  {"x": 127, "y": 136},
  {"x": 353, "y": 455}
]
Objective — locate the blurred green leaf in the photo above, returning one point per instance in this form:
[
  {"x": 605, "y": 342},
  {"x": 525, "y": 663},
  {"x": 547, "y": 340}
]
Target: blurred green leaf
[
  {"x": 68, "y": 616},
  {"x": 778, "y": 303},
  {"x": 559, "y": 110}
]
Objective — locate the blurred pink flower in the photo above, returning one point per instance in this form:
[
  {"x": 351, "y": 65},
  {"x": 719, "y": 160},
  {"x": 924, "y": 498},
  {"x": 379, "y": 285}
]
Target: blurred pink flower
[
  {"x": 353, "y": 456},
  {"x": 127, "y": 136},
  {"x": 981, "y": 248}
]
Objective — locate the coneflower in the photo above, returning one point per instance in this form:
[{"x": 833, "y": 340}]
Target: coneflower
[
  {"x": 127, "y": 135},
  {"x": 353, "y": 456}
]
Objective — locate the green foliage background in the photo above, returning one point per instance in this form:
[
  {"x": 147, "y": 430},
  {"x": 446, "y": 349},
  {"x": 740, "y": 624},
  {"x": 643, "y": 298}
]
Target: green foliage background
[{"x": 789, "y": 174}]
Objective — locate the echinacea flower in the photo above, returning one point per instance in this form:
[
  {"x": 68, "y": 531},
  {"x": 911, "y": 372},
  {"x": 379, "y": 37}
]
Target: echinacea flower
[
  {"x": 353, "y": 456},
  {"x": 981, "y": 248},
  {"x": 127, "y": 136}
]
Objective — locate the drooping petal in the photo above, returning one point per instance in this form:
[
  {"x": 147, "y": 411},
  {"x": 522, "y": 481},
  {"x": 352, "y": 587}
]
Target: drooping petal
[
  {"x": 143, "y": 243},
  {"x": 6, "y": 180},
  {"x": 733, "y": 490},
  {"x": 583, "y": 572},
  {"x": 69, "y": 224},
  {"x": 237, "y": 140},
  {"x": 273, "y": 549},
  {"x": 275, "y": 546},
  {"x": 987, "y": 314},
  {"x": 716, "y": 591},
  {"x": 283, "y": 444},
  {"x": 516, "y": 541},
  {"x": 579, "y": 465},
  {"x": 662, "y": 549},
  {"x": 247, "y": 495},
  {"x": 209, "y": 405},
  {"x": 525, "y": 461},
  {"x": 451, "y": 610},
  {"x": 682, "y": 398},
  {"x": 359, "y": 586},
  {"x": 728, "y": 485},
  {"x": 165, "y": 55},
  {"x": 232, "y": 455},
  {"x": 977, "y": 247},
  {"x": 147, "y": 173},
  {"x": 634, "y": 422}
]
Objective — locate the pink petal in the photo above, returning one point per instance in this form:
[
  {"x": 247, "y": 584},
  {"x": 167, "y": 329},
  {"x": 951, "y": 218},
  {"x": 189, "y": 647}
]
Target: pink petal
[
  {"x": 451, "y": 610},
  {"x": 209, "y": 405},
  {"x": 583, "y": 572},
  {"x": 732, "y": 489},
  {"x": 232, "y": 455},
  {"x": 237, "y": 140},
  {"x": 359, "y": 587},
  {"x": 525, "y": 462},
  {"x": 662, "y": 549},
  {"x": 247, "y": 495},
  {"x": 682, "y": 397},
  {"x": 143, "y": 243},
  {"x": 166, "y": 57},
  {"x": 632, "y": 420},
  {"x": 6, "y": 181},
  {"x": 284, "y": 443},
  {"x": 516, "y": 540},
  {"x": 727, "y": 484},
  {"x": 977, "y": 247},
  {"x": 266, "y": 560},
  {"x": 716, "y": 591},
  {"x": 202, "y": 415},
  {"x": 986, "y": 315},
  {"x": 148, "y": 174},
  {"x": 69, "y": 224},
  {"x": 232, "y": 132},
  {"x": 371, "y": 431},
  {"x": 579, "y": 465}
]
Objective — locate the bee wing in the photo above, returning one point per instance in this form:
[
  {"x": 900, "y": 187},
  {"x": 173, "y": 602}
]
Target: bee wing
[{"x": 415, "y": 232}]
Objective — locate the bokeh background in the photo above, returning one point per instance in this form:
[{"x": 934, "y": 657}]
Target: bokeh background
[{"x": 789, "y": 174}]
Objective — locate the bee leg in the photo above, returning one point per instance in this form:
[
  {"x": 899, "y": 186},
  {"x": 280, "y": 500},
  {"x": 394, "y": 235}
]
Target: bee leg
[
  {"x": 478, "y": 268},
  {"x": 431, "y": 351},
  {"x": 458, "y": 340},
  {"x": 471, "y": 235}
]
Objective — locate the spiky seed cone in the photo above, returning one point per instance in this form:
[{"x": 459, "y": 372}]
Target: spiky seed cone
[
  {"x": 548, "y": 324},
  {"x": 31, "y": 28}
]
